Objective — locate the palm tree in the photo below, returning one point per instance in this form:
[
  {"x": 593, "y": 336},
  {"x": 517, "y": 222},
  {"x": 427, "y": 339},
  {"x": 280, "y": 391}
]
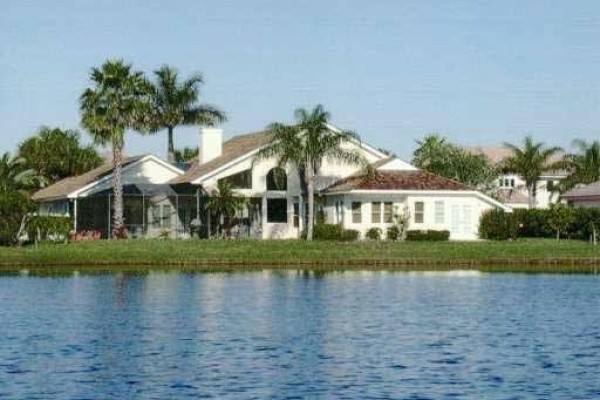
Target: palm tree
[
  {"x": 224, "y": 203},
  {"x": 186, "y": 155},
  {"x": 432, "y": 151},
  {"x": 176, "y": 103},
  {"x": 15, "y": 176},
  {"x": 530, "y": 162},
  {"x": 306, "y": 145},
  {"x": 119, "y": 100},
  {"x": 584, "y": 165}
]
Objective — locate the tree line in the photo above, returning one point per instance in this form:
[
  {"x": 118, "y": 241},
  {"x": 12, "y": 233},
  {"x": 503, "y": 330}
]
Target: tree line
[{"x": 530, "y": 160}]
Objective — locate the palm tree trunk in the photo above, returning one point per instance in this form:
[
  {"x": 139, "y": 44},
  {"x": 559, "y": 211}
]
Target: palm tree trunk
[
  {"x": 311, "y": 201},
  {"x": 531, "y": 195},
  {"x": 170, "y": 146},
  {"x": 117, "y": 185}
]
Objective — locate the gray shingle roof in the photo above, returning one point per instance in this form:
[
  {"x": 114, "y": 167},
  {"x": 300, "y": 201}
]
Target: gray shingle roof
[
  {"x": 62, "y": 188},
  {"x": 591, "y": 190},
  {"x": 232, "y": 149}
]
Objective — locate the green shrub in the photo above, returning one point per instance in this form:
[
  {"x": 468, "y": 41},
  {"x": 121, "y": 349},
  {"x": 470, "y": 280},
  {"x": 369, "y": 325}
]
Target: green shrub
[
  {"x": 14, "y": 208},
  {"x": 570, "y": 222},
  {"x": 333, "y": 232},
  {"x": 48, "y": 228},
  {"x": 373, "y": 234},
  {"x": 393, "y": 233},
  {"x": 497, "y": 225},
  {"x": 533, "y": 223},
  {"x": 427, "y": 235},
  {"x": 349, "y": 235}
]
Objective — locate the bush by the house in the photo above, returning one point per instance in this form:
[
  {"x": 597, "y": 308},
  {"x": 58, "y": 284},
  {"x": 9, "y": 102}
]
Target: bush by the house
[
  {"x": 393, "y": 233},
  {"x": 427, "y": 235},
  {"x": 373, "y": 234},
  {"x": 497, "y": 225},
  {"x": 334, "y": 232},
  {"x": 14, "y": 208},
  {"x": 47, "y": 228},
  {"x": 533, "y": 223}
]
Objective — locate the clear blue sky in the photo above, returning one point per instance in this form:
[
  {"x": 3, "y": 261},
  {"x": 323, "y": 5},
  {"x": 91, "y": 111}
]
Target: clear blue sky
[{"x": 478, "y": 72}]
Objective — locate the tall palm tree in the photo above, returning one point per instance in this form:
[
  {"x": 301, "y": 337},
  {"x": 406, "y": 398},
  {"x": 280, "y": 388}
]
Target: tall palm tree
[
  {"x": 530, "y": 162},
  {"x": 584, "y": 165},
  {"x": 176, "y": 103},
  {"x": 305, "y": 145},
  {"x": 118, "y": 100}
]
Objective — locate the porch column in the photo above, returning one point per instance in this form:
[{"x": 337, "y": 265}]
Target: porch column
[
  {"x": 264, "y": 216},
  {"x": 300, "y": 214},
  {"x": 75, "y": 215}
]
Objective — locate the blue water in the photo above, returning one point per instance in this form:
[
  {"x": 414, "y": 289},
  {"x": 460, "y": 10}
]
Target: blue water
[{"x": 298, "y": 335}]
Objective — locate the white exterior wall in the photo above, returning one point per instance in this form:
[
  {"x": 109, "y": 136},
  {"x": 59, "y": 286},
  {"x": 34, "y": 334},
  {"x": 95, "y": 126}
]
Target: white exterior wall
[
  {"x": 469, "y": 205},
  {"x": 331, "y": 171}
]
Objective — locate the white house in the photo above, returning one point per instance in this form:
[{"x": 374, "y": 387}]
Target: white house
[
  {"x": 161, "y": 199},
  {"x": 511, "y": 188}
]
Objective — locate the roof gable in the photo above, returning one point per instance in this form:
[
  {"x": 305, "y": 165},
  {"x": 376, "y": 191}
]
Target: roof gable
[
  {"x": 69, "y": 187},
  {"x": 234, "y": 148}
]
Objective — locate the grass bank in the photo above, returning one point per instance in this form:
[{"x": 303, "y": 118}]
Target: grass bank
[{"x": 533, "y": 255}]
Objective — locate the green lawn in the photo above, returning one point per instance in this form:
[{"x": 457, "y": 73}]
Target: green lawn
[{"x": 537, "y": 254}]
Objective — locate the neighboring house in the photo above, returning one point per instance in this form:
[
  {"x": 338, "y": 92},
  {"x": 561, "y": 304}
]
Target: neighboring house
[
  {"x": 161, "y": 199},
  {"x": 432, "y": 202},
  {"x": 584, "y": 195},
  {"x": 511, "y": 188}
]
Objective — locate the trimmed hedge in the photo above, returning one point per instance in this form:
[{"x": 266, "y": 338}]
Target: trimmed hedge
[
  {"x": 539, "y": 223},
  {"x": 428, "y": 235},
  {"x": 334, "y": 232},
  {"x": 498, "y": 225}
]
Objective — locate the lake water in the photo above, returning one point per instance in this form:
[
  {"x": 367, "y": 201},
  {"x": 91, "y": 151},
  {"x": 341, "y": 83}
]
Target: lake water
[{"x": 300, "y": 335}]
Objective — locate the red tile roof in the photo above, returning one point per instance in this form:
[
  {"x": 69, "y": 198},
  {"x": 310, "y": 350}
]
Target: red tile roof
[{"x": 397, "y": 180}]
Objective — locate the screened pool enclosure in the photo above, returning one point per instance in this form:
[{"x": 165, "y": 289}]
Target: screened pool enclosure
[{"x": 162, "y": 210}]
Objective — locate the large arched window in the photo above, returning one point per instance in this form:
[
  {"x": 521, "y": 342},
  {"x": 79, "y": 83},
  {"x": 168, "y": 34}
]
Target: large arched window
[{"x": 277, "y": 179}]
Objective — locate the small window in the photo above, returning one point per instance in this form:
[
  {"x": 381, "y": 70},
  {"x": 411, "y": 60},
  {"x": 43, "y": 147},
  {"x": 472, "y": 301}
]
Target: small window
[
  {"x": 277, "y": 210},
  {"x": 439, "y": 212},
  {"x": 356, "y": 212},
  {"x": 550, "y": 186},
  {"x": 296, "y": 215},
  {"x": 387, "y": 212},
  {"x": 277, "y": 179},
  {"x": 419, "y": 212},
  {"x": 375, "y": 212}
]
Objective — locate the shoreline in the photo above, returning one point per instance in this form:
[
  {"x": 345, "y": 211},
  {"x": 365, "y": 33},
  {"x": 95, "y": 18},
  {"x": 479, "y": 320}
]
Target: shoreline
[
  {"x": 536, "y": 255},
  {"x": 510, "y": 265}
]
